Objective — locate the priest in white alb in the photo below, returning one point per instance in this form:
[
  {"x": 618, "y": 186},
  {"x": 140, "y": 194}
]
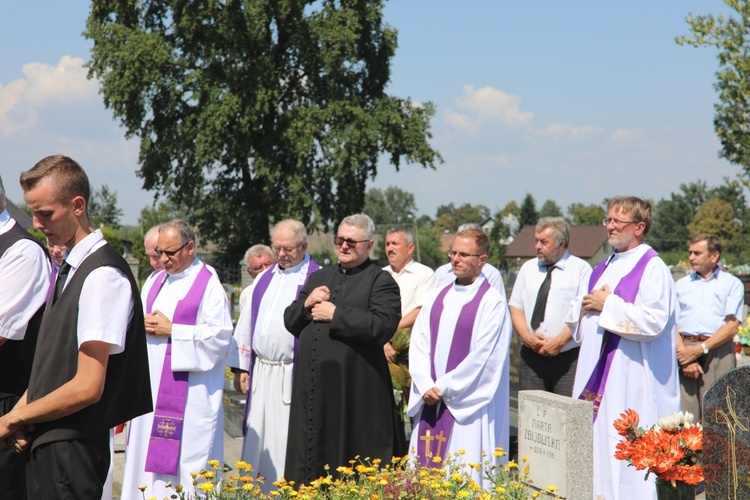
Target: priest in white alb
[
  {"x": 626, "y": 326},
  {"x": 264, "y": 357},
  {"x": 189, "y": 331},
  {"x": 458, "y": 359}
]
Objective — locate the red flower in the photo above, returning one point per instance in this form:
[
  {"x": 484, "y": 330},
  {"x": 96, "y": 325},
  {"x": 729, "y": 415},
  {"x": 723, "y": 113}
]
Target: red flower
[{"x": 628, "y": 421}]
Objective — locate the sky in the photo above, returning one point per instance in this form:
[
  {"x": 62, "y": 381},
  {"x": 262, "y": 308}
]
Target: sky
[{"x": 573, "y": 101}]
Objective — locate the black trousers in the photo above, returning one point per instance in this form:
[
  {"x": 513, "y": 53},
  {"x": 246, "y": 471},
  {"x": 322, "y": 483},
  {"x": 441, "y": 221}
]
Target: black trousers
[
  {"x": 12, "y": 464},
  {"x": 548, "y": 373},
  {"x": 69, "y": 470}
]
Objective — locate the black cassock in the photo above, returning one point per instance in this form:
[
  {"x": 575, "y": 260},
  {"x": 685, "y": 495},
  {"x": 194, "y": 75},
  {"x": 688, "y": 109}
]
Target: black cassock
[{"x": 342, "y": 396}]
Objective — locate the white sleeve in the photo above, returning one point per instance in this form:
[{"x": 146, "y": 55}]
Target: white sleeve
[
  {"x": 105, "y": 308},
  {"x": 24, "y": 283},
  {"x": 646, "y": 319},
  {"x": 205, "y": 345}
]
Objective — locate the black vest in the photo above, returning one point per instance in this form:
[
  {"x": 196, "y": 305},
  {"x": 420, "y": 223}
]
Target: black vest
[
  {"x": 127, "y": 387},
  {"x": 16, "y": 355}
]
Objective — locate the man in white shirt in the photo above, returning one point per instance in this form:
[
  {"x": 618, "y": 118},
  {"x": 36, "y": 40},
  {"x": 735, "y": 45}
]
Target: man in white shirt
[
  {"x": 415, "y": 280},
  {"x": 189, "y": 330},
  {"x": 90, "y": 366},
  {"x": 628, "y": 358},
  {"x": 25, "y": 278},
  {"x": 542, "y": 297},
  {"x": 264, "y": 359},
  {"x": 709, "y": 313},
  {"x": 444, "y": 274},
  {"x": 459, "y": 360},
  {"x": 258, "y": 259}
]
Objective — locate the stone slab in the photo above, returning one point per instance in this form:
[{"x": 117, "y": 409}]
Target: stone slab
[{"x": 555, "y": 433}]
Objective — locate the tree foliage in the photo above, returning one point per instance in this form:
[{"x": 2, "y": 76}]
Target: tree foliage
[
  {"x": 103, "y": 208},
  {"x": 715, "y": 217},
  {"x": 586, "y": 215},
  {"x": 528, "y": 214},
  {"x": 390, "y": 207},
  {"x": 731, "y": 36},
  {"x": 251, "y": 111},
  {"x": 550, "y": 209},
  {"x": 449, "y": 217}
]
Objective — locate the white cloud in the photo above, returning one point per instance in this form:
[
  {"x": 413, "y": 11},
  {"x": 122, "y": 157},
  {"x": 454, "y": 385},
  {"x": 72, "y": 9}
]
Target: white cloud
[
  {"x": 566, "y": 130},
  {"x": 42, "y": 86},
  {"x": 457, "y": 120},
  {"x": 627, "y": 134},
  {"x": 490, "y": 105}
]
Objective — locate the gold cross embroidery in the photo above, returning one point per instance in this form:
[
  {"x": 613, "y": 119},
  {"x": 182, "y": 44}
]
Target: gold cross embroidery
[
  {"x": 732, "y": 423},
  {"x": 427, "y": 438},
  {"x": 166, "y": 428}
]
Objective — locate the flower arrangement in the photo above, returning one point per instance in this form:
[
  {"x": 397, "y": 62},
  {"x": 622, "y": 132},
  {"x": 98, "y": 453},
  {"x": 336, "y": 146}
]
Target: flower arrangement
[
  {"x": 743, "y": 335},
  {"x": 402, "y": 479},
  {"x": 671, "y": 450}
]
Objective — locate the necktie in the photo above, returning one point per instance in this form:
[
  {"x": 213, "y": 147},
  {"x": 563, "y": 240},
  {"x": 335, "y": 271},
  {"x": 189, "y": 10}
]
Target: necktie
[
  {"x": 62, "y": 275},
  {"x": 541, "y": 300}
]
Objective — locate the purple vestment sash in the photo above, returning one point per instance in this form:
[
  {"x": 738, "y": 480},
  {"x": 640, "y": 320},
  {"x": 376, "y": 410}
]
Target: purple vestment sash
[
  {"x": 258, "y": 292},
  {"x": 163, "y": 455},
  {"x": 436, "y": 421},
  {"x": 626, "y": 289}
]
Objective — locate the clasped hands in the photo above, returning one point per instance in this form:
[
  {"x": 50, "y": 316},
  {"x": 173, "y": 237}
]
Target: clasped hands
[
  {"x": 687, "y": 356},
  {"x": 593, "y": 303},
  {"x": 14, "y": 437},
  {"x": 319, "y": 304},
  {"x": 157, "y": 323}
]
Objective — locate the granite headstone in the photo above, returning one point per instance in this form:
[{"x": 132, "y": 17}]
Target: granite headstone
[
  {"x": 726, "y": 436},
  {"x": 556, "y": 435}
]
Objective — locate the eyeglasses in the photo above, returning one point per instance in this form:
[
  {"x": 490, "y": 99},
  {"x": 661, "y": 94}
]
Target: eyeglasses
[
  {"x": 618, "y": 223},
  {"x": 351, "y": 243},
  {"x": 260, "y": 267},
  {"x": 277, "y": 249},
  {"x": 170, "y": 253},
  {"x": 463, "y": 255}
]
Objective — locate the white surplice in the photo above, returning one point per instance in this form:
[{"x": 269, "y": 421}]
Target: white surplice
[
  {"x": 201, "y": 350},
  {"x": 643, "y": 373},
  {"x": 264, "y": 446},
  {"x": 477, "y": 391}
]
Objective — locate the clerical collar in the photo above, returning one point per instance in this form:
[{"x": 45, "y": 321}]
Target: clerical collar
[{"x": 355, "y": 270}]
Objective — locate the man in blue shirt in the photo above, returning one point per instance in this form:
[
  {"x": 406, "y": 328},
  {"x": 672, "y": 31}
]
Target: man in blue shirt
[{"x": 709, "y": 313}]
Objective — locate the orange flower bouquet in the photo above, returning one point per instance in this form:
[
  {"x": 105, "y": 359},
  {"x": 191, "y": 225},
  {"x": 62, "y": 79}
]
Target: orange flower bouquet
[{"x": 671, "y": 449}]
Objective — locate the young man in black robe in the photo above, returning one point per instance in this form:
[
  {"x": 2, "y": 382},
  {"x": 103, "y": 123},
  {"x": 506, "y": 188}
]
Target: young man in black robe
[{"x": 342, "y": 396}]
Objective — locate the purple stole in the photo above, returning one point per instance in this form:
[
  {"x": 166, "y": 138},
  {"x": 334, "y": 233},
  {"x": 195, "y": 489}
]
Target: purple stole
[
  {"x": 166, "y": 432},
  {"x": 260, "y": 289},
  {"x": 627, "y": 289},
  {"x": 436, "y": 421}
]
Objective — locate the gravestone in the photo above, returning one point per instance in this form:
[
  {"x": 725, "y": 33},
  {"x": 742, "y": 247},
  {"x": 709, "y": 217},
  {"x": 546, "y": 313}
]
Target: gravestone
[
  {"x": 726, "y": 436},
  {"x": 555, "y": 433}
]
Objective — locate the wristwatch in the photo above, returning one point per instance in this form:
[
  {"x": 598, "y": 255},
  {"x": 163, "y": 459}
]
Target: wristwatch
[{"x": 705, "y": 347}]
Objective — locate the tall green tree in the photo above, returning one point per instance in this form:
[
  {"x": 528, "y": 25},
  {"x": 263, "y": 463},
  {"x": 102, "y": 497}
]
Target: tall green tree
[
  {"x": 103, "y": 208},
  {"x": 550, "y": 209},
  {"x": 715, "y": 217},
  {"x": 528, "y": 215},
  {"x": 731, "y": 36},
  {"x": 249, "y": 111},
  {"x": 391, "y": 206}
]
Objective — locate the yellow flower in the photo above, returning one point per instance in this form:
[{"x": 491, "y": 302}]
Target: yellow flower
[
  {"x": 536, "y": 494},
  {"x": 524, "y": 459},
  {"x": 274, "y": 493},
  {"x": 463, "y": 494},
  {"x": 213, "y": 463},
  {"x": 552, "y": 488},
  {"x": 436, "y": 459},
  {"x": 461, "y": 451},
  {"x": 499, "y": 489},
  {"x": 511, "y": 466},
  {"x": 206, "y": 487},
  {"x": 499, "y": 452},
  {"x": 383, "y": 482},
  {"x": 248, "y": 486},
  {"x": 242, "y": 465},
  {"x": 143, "y": 488}
]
